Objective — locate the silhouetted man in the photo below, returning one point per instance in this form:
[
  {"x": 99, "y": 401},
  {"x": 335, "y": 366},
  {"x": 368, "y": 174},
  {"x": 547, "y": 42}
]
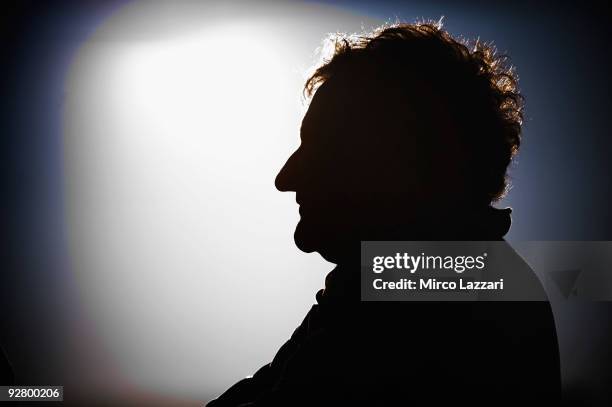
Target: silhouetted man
[{"x": 408, "y": 137}]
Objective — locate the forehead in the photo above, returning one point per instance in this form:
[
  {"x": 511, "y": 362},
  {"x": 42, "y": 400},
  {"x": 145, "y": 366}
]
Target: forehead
[{"x": 329, "y": 108}]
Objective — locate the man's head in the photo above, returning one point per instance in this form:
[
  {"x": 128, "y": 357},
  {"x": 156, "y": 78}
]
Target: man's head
[{"x": 403, "y": 123}]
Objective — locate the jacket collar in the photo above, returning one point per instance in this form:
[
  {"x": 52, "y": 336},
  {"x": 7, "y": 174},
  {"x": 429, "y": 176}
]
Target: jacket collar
[{"x": 474, "y": 224}]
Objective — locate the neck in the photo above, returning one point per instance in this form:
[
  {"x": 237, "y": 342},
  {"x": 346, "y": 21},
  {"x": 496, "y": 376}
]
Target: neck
[{"x": 474, "y": 224}]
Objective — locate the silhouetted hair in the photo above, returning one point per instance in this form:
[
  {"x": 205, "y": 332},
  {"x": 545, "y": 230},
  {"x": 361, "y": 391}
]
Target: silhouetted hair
[{"x": 442, "y": 77}]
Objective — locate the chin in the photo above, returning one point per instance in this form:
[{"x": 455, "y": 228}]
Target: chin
[
  {"x": 306, "y": 238},
  {"x": 310, "y": 238}
]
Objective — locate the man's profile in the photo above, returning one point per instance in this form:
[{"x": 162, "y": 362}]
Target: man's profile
[{"x": 408, "y": 136}]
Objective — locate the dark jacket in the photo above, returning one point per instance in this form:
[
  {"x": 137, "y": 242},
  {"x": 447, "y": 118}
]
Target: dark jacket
[{"x": 348, "y": 352}]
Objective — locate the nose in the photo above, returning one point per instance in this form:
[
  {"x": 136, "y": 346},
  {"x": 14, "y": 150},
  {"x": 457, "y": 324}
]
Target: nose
[{"x": 285, "y": 179}]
